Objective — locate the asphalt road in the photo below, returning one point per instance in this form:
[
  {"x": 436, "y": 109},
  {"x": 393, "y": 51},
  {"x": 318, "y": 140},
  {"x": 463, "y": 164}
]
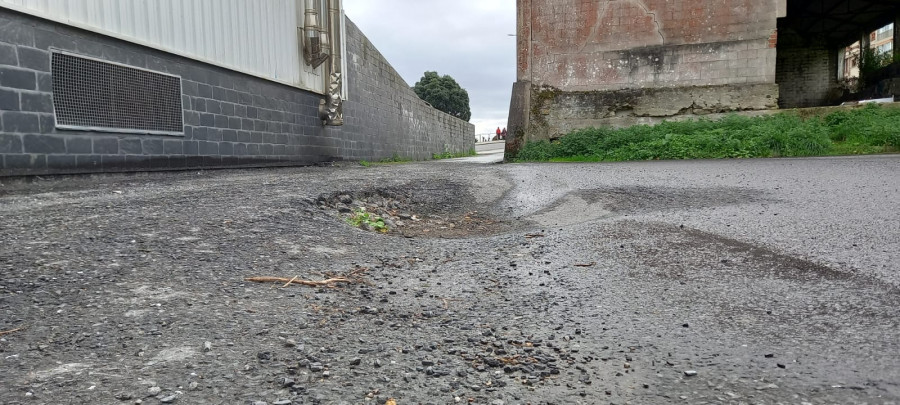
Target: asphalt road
[
  {"x": 735, "y": 281},
  {"x": 490, "y": 147}
]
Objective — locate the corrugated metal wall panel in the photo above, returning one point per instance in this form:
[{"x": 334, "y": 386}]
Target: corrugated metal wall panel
[{"x": 258, "y": 37}]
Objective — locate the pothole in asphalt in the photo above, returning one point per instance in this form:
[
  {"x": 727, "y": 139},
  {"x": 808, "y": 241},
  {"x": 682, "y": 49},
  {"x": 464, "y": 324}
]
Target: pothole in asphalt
[{"x": 446, "y": 210}]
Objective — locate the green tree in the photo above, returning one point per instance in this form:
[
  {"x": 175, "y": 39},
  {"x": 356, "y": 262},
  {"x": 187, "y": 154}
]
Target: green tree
[{"x": 443, "y": 93}]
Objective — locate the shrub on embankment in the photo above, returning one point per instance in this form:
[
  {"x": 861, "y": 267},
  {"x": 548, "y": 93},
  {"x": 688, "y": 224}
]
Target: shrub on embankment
[{"x": 867, "y": 130}]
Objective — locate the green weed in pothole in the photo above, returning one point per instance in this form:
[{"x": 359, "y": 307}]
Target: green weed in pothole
[{"x": 366, "y": 220}]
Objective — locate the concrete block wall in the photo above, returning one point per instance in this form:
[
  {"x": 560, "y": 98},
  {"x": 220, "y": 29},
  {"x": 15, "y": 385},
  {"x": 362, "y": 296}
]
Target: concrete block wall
[
  {"x": 807, "y": 72},
  {"x": 230, "y": 119}
]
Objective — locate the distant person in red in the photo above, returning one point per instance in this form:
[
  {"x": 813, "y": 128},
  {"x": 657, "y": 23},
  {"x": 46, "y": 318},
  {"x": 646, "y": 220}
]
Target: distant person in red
[
  {"x": 503, "y": 134},
  {"x": 497, "y": 138}
]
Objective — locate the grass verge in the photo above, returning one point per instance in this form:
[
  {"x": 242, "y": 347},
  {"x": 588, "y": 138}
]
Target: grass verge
[
  {"x": 868, "y": 130},
  {"x": 395, "y": 159},
  {"x": 449, "y": 155}
]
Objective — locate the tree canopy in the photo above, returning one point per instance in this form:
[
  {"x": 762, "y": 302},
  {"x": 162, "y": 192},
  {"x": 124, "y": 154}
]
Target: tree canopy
[{"x": 443, "y": 93}]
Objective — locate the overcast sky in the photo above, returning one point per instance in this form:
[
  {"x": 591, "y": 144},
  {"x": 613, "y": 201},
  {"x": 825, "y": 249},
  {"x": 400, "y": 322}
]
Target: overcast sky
[{"x": 466, "y": 39}]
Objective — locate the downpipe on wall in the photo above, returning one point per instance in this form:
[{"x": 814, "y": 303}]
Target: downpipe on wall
[
  {"x": 321, "y": 41},
  {"x": 331, "y": 109}
]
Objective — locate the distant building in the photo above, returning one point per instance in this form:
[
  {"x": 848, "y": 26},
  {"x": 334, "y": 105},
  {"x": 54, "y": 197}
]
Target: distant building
[
  {"x": 883, "y": 40},
  {"x": 880, "y": 40}
]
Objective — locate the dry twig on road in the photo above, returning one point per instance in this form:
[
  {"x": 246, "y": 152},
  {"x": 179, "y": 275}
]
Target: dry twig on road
[
  {"x": 354, "y": 276},
  {"x": 591, "y": 264},
  {"x": 7, "y": 332},
  {"x": 287, "y": 281}
]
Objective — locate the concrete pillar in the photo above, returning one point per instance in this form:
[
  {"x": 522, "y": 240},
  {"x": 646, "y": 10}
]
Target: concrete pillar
[
  {"x": 896, "y": 44},
  {"x": 865, "y": 42},
  {"x": 519, "y": 118},
  {"x": 781, "y": 9},
  {"x": 523, "y": 40}
]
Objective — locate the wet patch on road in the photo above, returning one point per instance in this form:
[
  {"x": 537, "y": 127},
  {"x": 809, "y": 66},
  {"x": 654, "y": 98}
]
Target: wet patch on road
[
  {"x": 683, "y": 251},
  {"x": 750, "y": 288},
  {"x": 581, "y": 206},
  {"x": 638, "y": 199}
]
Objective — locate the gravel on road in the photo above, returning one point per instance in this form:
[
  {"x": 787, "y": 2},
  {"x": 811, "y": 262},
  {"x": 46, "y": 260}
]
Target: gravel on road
[{"x": 772, "y": 281}]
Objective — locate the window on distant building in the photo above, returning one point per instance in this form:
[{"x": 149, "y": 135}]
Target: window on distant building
[{"x": 886, "y": 32}]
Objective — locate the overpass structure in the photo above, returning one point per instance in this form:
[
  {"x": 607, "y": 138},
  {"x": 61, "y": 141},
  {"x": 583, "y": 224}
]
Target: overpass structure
[{"x": 625, "y": 62}]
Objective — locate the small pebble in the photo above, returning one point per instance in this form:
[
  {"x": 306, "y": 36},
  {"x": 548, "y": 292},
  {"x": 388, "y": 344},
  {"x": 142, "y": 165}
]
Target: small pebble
[{"x": 690, "y": 373}]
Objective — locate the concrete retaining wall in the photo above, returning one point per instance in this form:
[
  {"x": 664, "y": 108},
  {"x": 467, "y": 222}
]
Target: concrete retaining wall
[
  {"x": 619, "y": 63},
  {"x": 384, "y": 117}
]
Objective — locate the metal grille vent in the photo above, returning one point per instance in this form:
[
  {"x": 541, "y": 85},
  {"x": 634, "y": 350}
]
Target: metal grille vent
[{"x": 90, "y": 94}]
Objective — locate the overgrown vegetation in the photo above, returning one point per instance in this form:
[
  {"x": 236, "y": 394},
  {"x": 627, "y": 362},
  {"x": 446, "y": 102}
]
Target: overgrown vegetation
[
  {"x": 450, "y": 155},
  {"x": 871, "y": 129},
  {"x": 363, "y": 219},
  {"x": 870, "y": 62}
]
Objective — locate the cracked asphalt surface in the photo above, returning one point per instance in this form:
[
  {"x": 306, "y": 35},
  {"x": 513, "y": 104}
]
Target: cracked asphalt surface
[{"x": 772, "y": 281}]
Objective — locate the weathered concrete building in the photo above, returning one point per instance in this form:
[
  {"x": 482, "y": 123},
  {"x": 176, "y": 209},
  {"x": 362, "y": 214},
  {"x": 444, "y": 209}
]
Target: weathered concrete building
[
  {"x": 616, "y": 63},
  {"x": 89, "y": 86}
]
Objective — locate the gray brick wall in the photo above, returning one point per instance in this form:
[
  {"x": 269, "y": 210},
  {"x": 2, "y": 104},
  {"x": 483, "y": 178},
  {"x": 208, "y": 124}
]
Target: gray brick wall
[
  {"x": 806, "y": 71},
  {"x": 230, "y": 119}
]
